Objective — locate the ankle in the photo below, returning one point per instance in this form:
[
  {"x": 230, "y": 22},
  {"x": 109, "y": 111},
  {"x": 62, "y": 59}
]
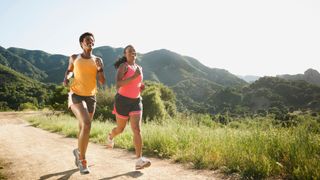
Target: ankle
[
  {"x": 82, "y": 158},
  {"x": 110, "y": 136}
]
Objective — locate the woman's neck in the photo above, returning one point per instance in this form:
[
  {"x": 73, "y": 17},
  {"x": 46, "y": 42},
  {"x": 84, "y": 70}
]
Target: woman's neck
[
  {"x": 131, "y": 62},
  {"x": 86, "y": 54}
]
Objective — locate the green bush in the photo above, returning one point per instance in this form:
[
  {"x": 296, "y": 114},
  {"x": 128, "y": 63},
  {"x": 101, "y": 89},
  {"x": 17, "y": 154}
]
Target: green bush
[
  {"x": 158, "y": 101},
  {"x": 27, "y": 106},
  {"x": 105, "y": 101},
  {"x": 4, "y": 106}
]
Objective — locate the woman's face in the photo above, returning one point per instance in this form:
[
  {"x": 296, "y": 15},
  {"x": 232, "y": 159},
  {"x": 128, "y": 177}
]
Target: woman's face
[
  {"x": 130, "y": 53},
  {"x": 87, "y": 43}
]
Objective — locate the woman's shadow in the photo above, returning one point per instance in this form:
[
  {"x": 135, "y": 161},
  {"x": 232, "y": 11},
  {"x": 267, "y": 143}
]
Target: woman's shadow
[
  {"x": 133, "y": 174},
  {"x": 66, "y": 174}
]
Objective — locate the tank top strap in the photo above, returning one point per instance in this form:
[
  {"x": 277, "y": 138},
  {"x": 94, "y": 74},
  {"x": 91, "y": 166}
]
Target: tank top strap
[{"x": 78, "y": 57}]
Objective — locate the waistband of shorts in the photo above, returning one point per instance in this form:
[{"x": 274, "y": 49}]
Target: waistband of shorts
[
  {"x": 128, "y": 97},
  {"x": 71, "y": 93}
]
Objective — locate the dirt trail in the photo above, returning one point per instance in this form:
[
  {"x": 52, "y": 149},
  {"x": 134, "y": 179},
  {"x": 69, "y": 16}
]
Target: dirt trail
[{"x": 32, "y": 153}]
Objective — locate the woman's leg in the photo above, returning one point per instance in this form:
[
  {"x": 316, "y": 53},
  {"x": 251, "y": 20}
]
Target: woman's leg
[
  {"x": 121, "y": 124},
  {"x": 135, "y": 121},
  {"x": 80, "y": 124},
  {"x": 84, "y": 119}
]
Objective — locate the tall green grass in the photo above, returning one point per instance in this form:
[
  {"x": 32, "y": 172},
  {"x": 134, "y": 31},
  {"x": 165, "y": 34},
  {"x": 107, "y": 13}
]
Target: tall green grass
[{"x": 255, "y": 148}]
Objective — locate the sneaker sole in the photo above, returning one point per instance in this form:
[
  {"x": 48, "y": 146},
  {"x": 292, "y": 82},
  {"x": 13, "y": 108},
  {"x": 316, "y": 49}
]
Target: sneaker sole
[
  {"x": 86, "y": 172},
  {"x": 144, "y": 166}
]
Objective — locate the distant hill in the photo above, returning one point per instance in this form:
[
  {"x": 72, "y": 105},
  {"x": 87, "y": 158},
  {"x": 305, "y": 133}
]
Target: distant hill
[
  {"x": 277, "y": 92},
  {"x": 20, "y": 64},
  {"x": 249, "y": 78},
  {"x": 198, "y": 88},
  {"x": 170, "y": 68},
  {"x": 266, "y": 94},
  {"x": 311, "y": 75},
  {"x": 191, "y": 80},
  {"x": 53, "y": 66}
]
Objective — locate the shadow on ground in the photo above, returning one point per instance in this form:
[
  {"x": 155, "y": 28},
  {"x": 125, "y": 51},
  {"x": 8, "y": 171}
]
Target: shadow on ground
[
  {"x": 65, "y": 174},
  {"x": 133, "y": 174}
]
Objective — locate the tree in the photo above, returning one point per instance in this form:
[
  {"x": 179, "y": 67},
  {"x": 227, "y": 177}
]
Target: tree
[{"x": 158, "y": 101}]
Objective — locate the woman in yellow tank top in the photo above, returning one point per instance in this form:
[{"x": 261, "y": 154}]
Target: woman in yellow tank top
[{"x": 82, "y": 101}]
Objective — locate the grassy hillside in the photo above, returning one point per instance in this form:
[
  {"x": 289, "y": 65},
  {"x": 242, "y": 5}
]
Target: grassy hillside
[
  {"x": 277, "y": 92},
  {"x": 311, "y": 75},
  {"x": 54, "y": 66},
  {"x": 20, "y": 64}
]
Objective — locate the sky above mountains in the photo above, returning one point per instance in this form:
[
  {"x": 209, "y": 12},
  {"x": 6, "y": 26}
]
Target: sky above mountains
[{"x": 244, "y": 37}]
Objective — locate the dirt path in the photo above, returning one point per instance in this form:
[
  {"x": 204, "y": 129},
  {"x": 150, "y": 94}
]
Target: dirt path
[{"x": 32, "y": 153}]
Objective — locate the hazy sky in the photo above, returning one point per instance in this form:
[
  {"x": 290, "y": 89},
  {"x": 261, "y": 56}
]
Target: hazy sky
[{"x": 245, "y": 37}]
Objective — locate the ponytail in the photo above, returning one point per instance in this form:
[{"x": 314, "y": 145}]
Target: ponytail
[{"x": 121, "y": 60}]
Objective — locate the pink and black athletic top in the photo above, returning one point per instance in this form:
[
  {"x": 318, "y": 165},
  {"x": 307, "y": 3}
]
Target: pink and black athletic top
[
  {"x": 128, "y": 99},
  {"x": 133, "y": 88}
]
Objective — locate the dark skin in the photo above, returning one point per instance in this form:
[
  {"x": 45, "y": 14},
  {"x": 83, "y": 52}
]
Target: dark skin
[
  {"x": 131, "y": 57},
  {"x": 79, "y": 110},
  {"x": 136, "y": 119},
  {"x": 87, "y": 46}
]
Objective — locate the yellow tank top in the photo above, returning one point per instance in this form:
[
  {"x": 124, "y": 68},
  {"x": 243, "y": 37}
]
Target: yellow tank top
[{"x": 85, "y": 73}]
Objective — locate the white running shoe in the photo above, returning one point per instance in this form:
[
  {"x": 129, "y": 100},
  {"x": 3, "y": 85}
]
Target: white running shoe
[
  {"x": 142, "y": 163},
  {"x": 110, "y": 142},
  {"x": 83, "y": 167}
]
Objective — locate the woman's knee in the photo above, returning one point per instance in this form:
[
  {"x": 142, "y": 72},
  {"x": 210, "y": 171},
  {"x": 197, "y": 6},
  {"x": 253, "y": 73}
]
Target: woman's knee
[
  {"x": 120, "y": 129},
  {"x": 136, "y": 130},
  {"x": 86, "y": 125}
]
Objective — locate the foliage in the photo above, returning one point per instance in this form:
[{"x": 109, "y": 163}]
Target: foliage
[
  {"x": 105, "y": 101},
  {"x": 18, "y": 91},
  {"x": 255, "y": 148},
  {"x": 158, "y": 101},
  {"x": 27, "y": 106}
]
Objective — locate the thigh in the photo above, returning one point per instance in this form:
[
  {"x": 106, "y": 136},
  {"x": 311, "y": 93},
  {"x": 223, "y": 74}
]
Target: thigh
[
  {"x": 81, "y": 113},
  {"x": 121, "y": 122},
  {"x": 135, "y": 121}
]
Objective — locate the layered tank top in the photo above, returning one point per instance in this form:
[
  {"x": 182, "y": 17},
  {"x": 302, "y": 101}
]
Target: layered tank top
[
  {"x": 132, "y": 89},
  {"x": 85, "y": 73}
]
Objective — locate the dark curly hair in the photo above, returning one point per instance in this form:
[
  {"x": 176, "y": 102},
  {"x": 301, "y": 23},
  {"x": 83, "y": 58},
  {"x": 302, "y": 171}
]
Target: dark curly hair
[{"x": 85, "y": 35}]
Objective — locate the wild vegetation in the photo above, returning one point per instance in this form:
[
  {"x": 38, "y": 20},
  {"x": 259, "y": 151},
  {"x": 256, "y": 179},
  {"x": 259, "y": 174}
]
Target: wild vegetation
[
  {"x": 255, "y": 148},
  {"x": 192, "y": 114}
]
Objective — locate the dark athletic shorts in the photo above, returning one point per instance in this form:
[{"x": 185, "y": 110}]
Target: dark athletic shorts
[
  {"x": 90, "y": 101},
  {"x": 124, "y": 106}
]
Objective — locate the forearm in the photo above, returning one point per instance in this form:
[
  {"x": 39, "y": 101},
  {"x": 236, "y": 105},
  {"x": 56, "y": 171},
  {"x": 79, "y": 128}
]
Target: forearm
[{"x": 101, "y": 78}]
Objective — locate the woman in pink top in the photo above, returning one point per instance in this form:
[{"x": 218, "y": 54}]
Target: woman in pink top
[{"x": 128, "y": 104}]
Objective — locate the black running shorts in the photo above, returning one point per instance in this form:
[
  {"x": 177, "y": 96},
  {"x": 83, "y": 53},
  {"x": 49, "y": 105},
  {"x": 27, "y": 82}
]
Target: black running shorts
[
  {"x": 124, "y": 106},
  {"x": 90, "y": 101}
]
